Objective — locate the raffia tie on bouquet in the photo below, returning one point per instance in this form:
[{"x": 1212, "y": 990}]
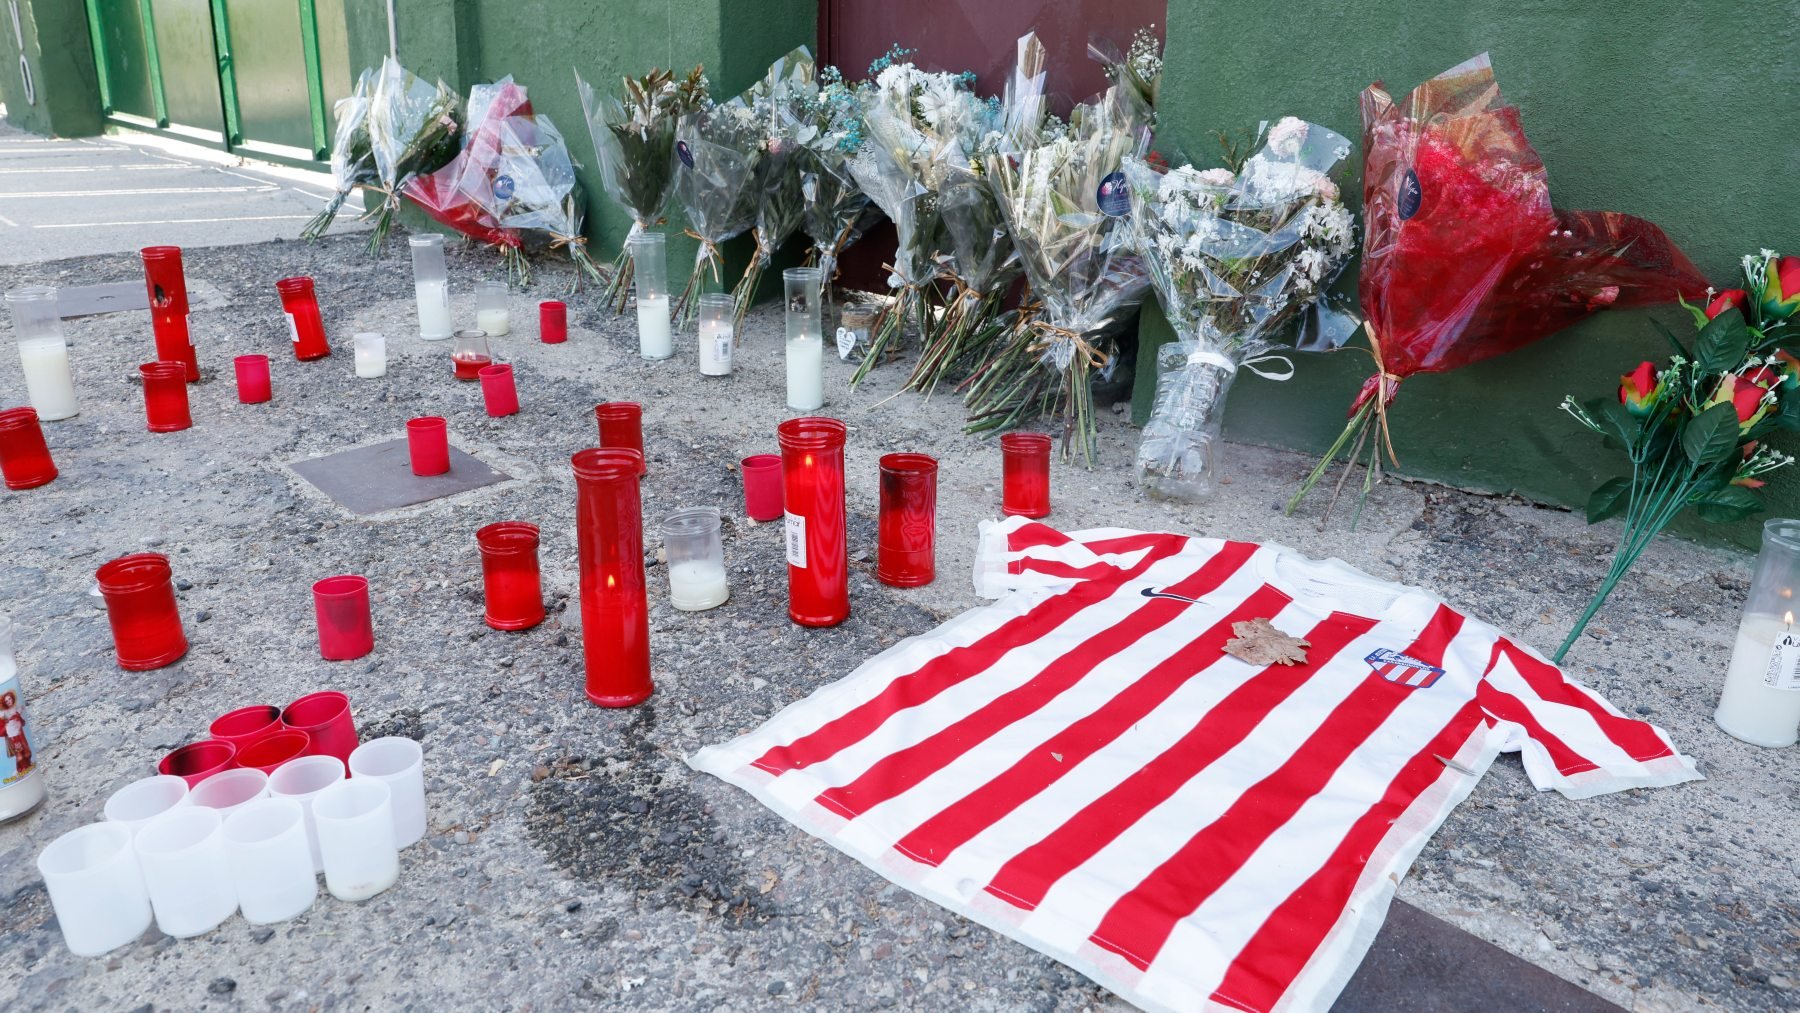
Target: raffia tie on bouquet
[
  {"x": 1053, "y": 338},
  {"x": 706, "y": 257}
]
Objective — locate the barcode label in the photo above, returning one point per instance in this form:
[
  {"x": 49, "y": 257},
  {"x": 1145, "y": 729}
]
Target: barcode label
[
  {"x": 722, "y": 352},
  {"x": 1784, "y": 664},
  {"x": 796, "y": 541},
  {"x": 293, "y": 328}
]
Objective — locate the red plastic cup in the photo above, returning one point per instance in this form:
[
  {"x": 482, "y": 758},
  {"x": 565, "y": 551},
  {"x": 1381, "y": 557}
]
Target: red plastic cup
[
  {"x": 305, "y": 325},
  {"x": 166, "y": 283},
  {"x": 615, "y": 610},
  {"x": 24, "y": 456},
  {"x": 275, "y": 749},
  {"x": 1025, "y": 474},
  {"x": 498, "y": 391},
  {"x": 553, "y": 322},
  {"x": 341, "y": 604},
  {"x": 165, "y": 397},
  {"x": 509, "y": 575},
  {"x": 197, "y": 761},
  {"x": 905, "y": 550},
  {"x": 428, "y": 443},
  {"x": 246, "y": 725},
  {"x": 622, "y": 428},
  {"x": 325, "y": 718},
  {"x": 762, "y": 486},
  {"x": 252, "y": 378},
  {"x": 140, "y": 605},
  {"x": 818, "y": 554}
]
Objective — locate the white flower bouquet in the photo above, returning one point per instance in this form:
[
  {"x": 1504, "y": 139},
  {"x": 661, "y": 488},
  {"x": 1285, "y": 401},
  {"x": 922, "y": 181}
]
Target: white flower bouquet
[
  {"x": 781, "y": 102},
  {"x": 717, "y": 147}
]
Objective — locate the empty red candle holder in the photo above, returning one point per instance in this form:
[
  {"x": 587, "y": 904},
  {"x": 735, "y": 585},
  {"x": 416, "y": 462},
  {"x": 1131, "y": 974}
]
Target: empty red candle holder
[
  {"x": 166, "y": 283},
  {"x": 305, "y": 326},
  {"x": 275, "y": 749},
  {"x": 197, "y": 761},
  {"x": 341, "y": 605},
  {"x": 165, "y": 397},
  {"x": 553, "y": 322},
  {"x": 1025, "y": 474},
  {"x": 252, "y": 378},
  {"x": 622, "y": 428},
  {"x": 905, "y": 551},
  {"x": 762, "y": 486},
  {"x": 428, "y": 445},
  {"x": 615, "y": 612},
  {"x": 246, "y": 725},
  {"x": 509, "y": 575},
  {"x": 140, "y": 605},
  {"x": 498, "y": 392},
  {"x": 325, "y": 718},
  {"x": 24, "y": 456},
  {"x": 818, "y": 555}
]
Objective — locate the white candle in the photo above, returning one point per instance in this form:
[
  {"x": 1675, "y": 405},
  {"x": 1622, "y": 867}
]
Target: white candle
[
  {"x": 371, "y": 356},
  {"x": 654, "y": 339},
  {"x": 1761, "y": 700},
  {"x": 496, "y": 322},
  {"x": 434, "y": 309},
  {"x": 48, "y": 384},
  {"x": 697, "y": 584},
  {"x": 805, "y": 372},
  {"x": 715, "y": 347}
]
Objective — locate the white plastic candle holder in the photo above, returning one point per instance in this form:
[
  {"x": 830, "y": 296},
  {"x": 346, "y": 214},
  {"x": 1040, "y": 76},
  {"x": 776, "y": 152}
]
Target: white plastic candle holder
[
  {"x": 95, "y": 888},
  {"x": 182, "y": 854},
  {"x": 302, "y": 780},
  {"x": 1760, "y": 701},
  {"x": 270, "y": 861},
  {"x": 431, "y": 286},
  {"x": 145, "y": 799},
  {"x": 230, "y": 790},
  {"x": 355, "y": 820},
  {"x": 400, "y": 764}
]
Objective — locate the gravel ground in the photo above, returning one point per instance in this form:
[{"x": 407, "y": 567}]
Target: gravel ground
[{"x": 572, "y": 859}]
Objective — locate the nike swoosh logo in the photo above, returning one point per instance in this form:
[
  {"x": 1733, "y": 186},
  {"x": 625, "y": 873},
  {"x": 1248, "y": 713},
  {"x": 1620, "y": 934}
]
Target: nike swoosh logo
[{"x": 1148, "y": 593}]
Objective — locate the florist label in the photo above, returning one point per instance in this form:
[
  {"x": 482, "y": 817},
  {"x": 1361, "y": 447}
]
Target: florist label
[
  {"x": 1784, "y": 664},
  {"x": 796, "y": 540},
  {"x": 1114, "y": 199},
  {"x": 1411, "y": 195}
]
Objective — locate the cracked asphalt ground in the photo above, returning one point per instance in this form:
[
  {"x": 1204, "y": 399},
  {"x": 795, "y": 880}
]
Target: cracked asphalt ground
[{"x": 572, "y": 859}]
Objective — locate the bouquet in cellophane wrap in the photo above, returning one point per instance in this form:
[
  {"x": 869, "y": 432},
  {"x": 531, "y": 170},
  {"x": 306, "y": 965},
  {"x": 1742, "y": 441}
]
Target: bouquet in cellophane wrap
[
  {"x": 440, "y": 195},
  {"x": 352, "y": 163},
  {"x": 837, "y": 212},
  {"x": 781, "y": 102},
  {"x": 414, "y": 128},
  {"x": 717, "y": 147},
  {"x": 1083, "y": 274},
  {"x": 1234, "y": 258},
  {"x": 1464, "y": 257},
  {"x": 634, "y": 142},
  {"x": 531, "y": 187}
]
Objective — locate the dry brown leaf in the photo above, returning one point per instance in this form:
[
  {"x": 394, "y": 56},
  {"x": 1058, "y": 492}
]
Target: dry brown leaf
[{"x": 1260, "y": 643}]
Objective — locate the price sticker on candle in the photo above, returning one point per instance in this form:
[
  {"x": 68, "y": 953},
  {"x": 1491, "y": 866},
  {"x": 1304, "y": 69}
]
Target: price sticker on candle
[
  {"x": 293, "y": 328},
  {"x": 1784, "y": 664},
  {"x": 722, "y": 351},
  {"x": 846, "y": 341},
  {"x": 796, "y": 541}
]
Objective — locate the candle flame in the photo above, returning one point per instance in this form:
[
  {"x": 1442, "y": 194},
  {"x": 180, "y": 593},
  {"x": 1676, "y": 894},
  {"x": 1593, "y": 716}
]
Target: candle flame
[
  {"x": 1787, "y": 592},
  {"x": 612, "y": 582},
  {"x": 809, "y": 460},
  {"x": 1788, "y": 618}
]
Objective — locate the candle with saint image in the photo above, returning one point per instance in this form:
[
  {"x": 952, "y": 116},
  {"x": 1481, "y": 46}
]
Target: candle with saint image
[
  {"x": 650, "y": 271},
  {"x": 615, "y": 610},
  {"x": 805, "y": 339},
  {"x": 1760, "y": 702},
  {"x": 812, "y": 471},
  {"x": 43, "y": 353}
]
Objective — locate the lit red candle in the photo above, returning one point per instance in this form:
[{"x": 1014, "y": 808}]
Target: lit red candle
[
  {"x": 615, "y": 611},
  {"x": 818, "y": 556}
]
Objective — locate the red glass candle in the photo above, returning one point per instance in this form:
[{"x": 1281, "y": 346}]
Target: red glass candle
[
  {"x": 275, "y": 749},
  {"x": 325, "y": 718},
  {"x": 246, "y": 725},
  {"x": 818, "y": 555},
  {"x": 498, "y": 392},
  {"x": 553, "y": 322},
  {"x": 428, "y": 445},
  {"x": 509, "y": 575},
  {"x": 305, "y": 325},
  {"x": 762, "y": 486},
  {"x": 615, "y": 614},
  {"x": 165, "y": 397},
  {"x": 197, "y": 761},
  {"x": 24, "y": 456},
  {"x": 1025, "y": 474},
  {"x": 341, "y": 605},
  {"x": 140, "y": 605},
  {"x": 252, "y": 378},
  {"x": 905, "y": 553},
  {"x": 622, "y": 428},
  {"x": 167, "y": 286}
]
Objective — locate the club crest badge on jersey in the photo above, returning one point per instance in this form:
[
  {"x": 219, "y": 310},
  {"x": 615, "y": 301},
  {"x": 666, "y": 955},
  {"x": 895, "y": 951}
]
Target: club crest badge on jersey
[{"x": 1404, "y": 669}]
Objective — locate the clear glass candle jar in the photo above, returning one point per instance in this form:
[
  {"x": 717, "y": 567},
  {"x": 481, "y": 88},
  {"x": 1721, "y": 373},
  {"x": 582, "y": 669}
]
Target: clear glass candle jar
[
  {"x": 855, "y": 321},
  {"x": 716, "y": 340},
  {"x": 431, "y": 286},
  {"x": 493, "y": 312},
  {"x": 650, "y": 269},
  {"x": 166, "y": 285},
  {"x": 1760, "y": 703},
  {"x": 305, "y": 325},
  {"x": 696, "y": 559},
  {"x": 43, "y": 352},
  {"x": 805, "y": 339},
  {"x": 21, "y": 777},
  {"x": 615, "y": 610},
  {"x": 469, "y": 353},
  {"x": 371, "y": 354},
  {"x": 818, "y": 555}
]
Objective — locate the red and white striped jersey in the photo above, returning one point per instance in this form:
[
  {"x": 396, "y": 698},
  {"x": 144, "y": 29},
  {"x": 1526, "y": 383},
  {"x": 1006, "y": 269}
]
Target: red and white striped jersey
[{"x": 1082, "y": 767}]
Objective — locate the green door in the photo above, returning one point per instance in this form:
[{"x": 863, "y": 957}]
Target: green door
[{"x": 190, "y": 75}]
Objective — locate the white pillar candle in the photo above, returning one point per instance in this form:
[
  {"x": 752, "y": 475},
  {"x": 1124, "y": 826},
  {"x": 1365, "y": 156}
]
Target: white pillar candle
[
  {"x": 47, "y": 381},
  {"x": 434, "y": 309},
  {"x": 805, "y": 372},
  {"x": 371, "y": 355},
  {"x": 654, "y": 339},
  {"x": 496, "y": 322},
  {"x": 715, "y": 347},
  {"x": 1761, "y": 700},
  {"x": 698, "y": 584}
]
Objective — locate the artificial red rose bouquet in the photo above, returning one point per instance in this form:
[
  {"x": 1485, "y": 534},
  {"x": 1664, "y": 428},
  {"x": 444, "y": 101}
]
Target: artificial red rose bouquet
[{"x": 440, "y": 195}]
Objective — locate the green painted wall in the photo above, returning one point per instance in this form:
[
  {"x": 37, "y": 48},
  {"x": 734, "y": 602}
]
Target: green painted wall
[
  {"x": 1680, "y": 112},
  {"x": 66, "y": 90}
]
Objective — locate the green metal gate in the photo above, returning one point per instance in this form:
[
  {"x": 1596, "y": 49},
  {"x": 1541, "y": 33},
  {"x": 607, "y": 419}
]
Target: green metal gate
[{"x": 242, "y": 75}]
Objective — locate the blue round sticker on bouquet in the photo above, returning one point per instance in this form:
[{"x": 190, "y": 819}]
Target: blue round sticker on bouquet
[
  {"x": 684, "y": 153},
  {"x": 1411, "y": 195},
  {"x": 503, "y": 187},
  {"x": 1113, "y": 198}
]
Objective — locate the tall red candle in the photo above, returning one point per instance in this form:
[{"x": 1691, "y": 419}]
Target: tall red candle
[
  {"x": 301, "y": 305},
  {"x": 905, "y": 552},
  {"x": 818, "y": 554},
  {"x": 166, "y": 283},
  {"x": 615, "y": 612},
  {"x": 622, "y": 427}
]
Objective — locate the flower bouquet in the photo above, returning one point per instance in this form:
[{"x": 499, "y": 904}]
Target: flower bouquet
[
  {"x": 1693, "y": 430},
  {"x": 1234, "y": 258},
  {"x": 352, "y": 163},
  {"x": 414, "y": 128},
  {"x": 837, "y": 212},
  {"x": 634, "y": 141},
  {"x": 781, "y": 102},
  {"x": 1463, "y": 256},
  {"x": 530, "y": 186},
  {"x": 440, "y": 195},
  {"x": 717, "y": 147}
]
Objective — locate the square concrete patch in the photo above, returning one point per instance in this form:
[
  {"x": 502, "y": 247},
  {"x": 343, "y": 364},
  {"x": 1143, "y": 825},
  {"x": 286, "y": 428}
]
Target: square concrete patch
[{"x": 370, "y": 480}]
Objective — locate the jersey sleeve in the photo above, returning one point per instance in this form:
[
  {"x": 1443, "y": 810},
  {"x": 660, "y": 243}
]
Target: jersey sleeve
[
  {"x": 1017, "y": 553},
  {"x": 1568, "y": 736}
]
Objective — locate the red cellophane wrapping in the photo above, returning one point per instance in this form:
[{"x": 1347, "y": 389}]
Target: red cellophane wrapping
[{"x": 438, "y": 195}]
